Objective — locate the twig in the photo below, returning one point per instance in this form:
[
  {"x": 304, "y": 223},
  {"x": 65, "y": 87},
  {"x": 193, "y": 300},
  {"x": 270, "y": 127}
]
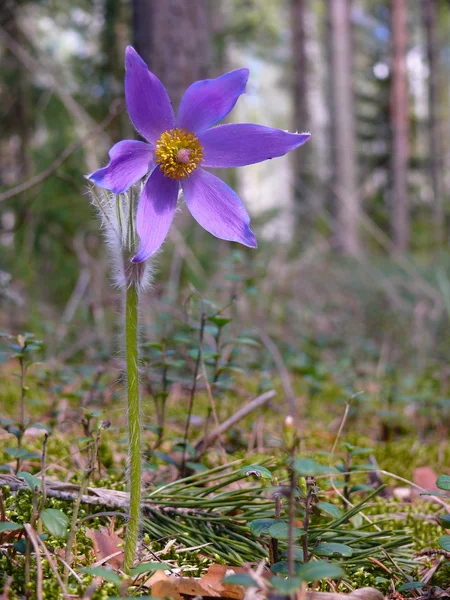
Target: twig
[
  {"x": 192, "y": 395},
  {"x": 106, "y": 558},
  {"x": 340, "y": 430},
  {"x": 417, "y": 487},
  {"x": 432, "y": 570},
  {"x": 43, "y": 468},
  {"x": 37, "y": 507},
  {"x": 71, "y": 571},
  {"x": 291, "y": 524},
  {"x": 284, "y": 374},
  {"x": 213, "y": 407},
  {"x": 273, "y": 542},
  {"x": 433, "y": 552},
  {"x": 206, "y": 441},
  {"x": 92, "y": 588},
  {"x": 53, "y": 567},
  {"x": 311, "y": 499},
  {"x": 33, "y": 539},
  {"x": 2, "y": 508},
  {"x": 7, "y": 588},
  {"x": 76, "y": 507}
]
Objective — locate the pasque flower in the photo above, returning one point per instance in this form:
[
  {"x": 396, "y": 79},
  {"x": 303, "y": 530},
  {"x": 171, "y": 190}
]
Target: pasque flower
[{"x": 177, "y": 150}]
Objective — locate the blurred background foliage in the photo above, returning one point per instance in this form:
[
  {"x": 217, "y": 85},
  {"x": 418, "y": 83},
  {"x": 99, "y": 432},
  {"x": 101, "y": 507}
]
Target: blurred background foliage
[{"x": 353, "y": 227}]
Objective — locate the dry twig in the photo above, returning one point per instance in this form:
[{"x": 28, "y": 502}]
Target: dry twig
[
  {"x": 205, "y": 442},
  {"x": 32, "y": 536}
]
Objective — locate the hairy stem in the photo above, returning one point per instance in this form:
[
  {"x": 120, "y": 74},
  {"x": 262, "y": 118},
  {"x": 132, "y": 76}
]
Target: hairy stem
[{"x": 134, "y": 428}]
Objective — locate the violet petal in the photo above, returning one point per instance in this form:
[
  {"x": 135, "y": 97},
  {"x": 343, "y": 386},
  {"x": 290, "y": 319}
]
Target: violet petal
[
  {"x": 148, "y": 104},
  {"x": 208, "y": 101},
  {"x": 236, "y": 145},
  {"x": 129, "y": 161},
  {"x": 217, "y": 208},
  {"x": 155, "y": 213}
]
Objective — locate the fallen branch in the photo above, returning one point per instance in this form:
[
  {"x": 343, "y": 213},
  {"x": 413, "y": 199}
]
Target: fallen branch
[
  {"x": 94, "y": 496},
  {"x": 206, "y": 441}
]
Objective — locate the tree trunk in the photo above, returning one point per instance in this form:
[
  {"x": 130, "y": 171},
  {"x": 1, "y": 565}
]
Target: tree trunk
[
  {"x": 18, "y": 122},
  {"x": 430, "y": 22},
  {"x": 347, "y": 210},
  {"x": 173, "y": 37},
  {"x": 298, "y": 16},
  {"x": 111, "y": 74},
  {"x": 399, "y": 126},
  {"x": 302, "y": 184}
]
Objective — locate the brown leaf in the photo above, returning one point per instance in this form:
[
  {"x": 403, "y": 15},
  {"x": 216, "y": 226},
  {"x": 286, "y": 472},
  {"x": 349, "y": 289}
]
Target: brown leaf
[
  {"x": 209, "y": 585},
  {"x": 426, "y": 478},
  {"x": 105, "y": 545}
]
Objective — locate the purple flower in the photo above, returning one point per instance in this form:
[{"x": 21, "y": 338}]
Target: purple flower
[{"x": 177, "y": 149}]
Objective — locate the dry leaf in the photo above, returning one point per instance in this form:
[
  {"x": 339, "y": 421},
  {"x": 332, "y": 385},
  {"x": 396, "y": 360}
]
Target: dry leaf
[
  {"x": 209, "y": 585},
  {"x": 425, "y": 477},
  {"x": 105, "y": 545}
]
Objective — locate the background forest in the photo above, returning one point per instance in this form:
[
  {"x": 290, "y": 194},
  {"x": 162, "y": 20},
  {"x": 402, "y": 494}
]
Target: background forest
[
  {"x": 339, "y": 319},
  {"x": 369, "y": 79}
]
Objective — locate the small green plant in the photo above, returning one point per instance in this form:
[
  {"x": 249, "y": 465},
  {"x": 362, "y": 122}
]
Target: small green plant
[
  {"x": 310, "y": 538},
  {"x": 24, "y": 348}
]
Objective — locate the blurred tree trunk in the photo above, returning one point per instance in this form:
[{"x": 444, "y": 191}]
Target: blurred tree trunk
[
  {"x": 347, "y": 208},
  {"x": 174, "y": 38},
  {"x": 399, "y": 126},
  {"x": 430, "y": 20},
  {"x": 17, "y": 124},
  {"x": 111, "y": 75},
  {"x": 302, "y": 184},
  {"x": 330, "y": 200},
  {"x": 300, "y": 67}
]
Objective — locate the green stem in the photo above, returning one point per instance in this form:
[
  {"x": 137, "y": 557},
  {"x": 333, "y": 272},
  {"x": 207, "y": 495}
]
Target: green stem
[{"x": 134, "y": 428}]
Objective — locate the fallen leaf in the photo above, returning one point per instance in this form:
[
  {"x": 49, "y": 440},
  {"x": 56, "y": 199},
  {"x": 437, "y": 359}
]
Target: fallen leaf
[
  {"x": 210, "y": 585},
  {"x": 105, "y": 545},
  {"x": 425, "y": 477}
]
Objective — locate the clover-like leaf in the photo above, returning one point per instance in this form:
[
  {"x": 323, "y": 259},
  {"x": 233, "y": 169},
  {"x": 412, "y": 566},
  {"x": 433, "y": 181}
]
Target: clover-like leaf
[
  {"x": 257, "y": 470},
  {"x": 55, "y": 521},
  {"x": 315, "y": 571},
  {"x": 259, "y": 526},
  {"x": 8, "y": 526},
  {"x": 329, "y": 509},
  {"x": 106, "y": 574},
  {"x": 331, "y": 548},
  {"x": 443, "y": 482}
]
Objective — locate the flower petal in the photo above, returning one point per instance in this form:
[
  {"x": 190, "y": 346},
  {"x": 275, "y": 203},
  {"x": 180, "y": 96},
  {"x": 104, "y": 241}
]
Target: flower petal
[
  {"x": 155, "y": 213},
  {"x": 148, "y": 104},
  {"x": 217, "y": 208},
  {"x": 208, "y": 101},
  {"x": 236, "y": 145},
  {"x": 130, "y": 161}
]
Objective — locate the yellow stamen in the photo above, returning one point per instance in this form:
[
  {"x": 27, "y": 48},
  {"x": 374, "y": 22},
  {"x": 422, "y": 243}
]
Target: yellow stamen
[{"x": 178, "y": 153}]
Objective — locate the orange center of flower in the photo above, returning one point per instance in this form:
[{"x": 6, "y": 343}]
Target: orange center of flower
[{"x": 178, "y": 153}]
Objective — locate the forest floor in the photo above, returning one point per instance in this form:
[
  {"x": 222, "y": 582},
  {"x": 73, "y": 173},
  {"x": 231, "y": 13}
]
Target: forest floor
[{"x": 301, "y": 464}]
